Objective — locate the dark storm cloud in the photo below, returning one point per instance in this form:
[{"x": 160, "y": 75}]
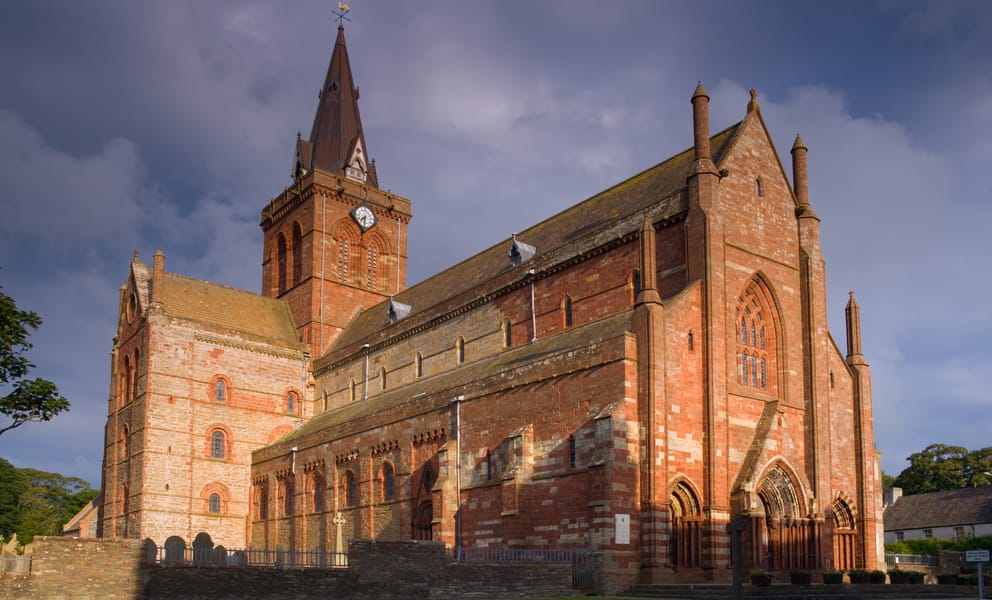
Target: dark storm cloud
[{"x": 130, "y": 125}]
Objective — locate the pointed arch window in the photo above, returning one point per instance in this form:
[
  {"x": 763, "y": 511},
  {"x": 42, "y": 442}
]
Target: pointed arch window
[
  {"x": 372, "y": 268},
  {"x": 344, "y": 256},
  {"x": 297, "y": 254},
  {"x": 288, "y": 493},
  {"x": 281, "y": 262},
  {"x": 418, "y": 365},
  {"x": 507, "y": 333},
  {"x": 128, "y": 377},
  {"x": 388, "y": 480},
  {"x": 566, "y": 311},
  {"x": 382, "y": 378},
  {"x": 755, "y": 339},
  {"x": 635, "y": 285},
  {"x": 318, "y": 489},
  {"x": 353, "y": 390},
  {"x": 291, "y": 403},
  {"x": 350, "y": 491},
  {"x": 460, "y": 350}
]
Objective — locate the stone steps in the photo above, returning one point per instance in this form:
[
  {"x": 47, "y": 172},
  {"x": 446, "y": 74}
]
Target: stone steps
[{"x": 710, "y": 591}]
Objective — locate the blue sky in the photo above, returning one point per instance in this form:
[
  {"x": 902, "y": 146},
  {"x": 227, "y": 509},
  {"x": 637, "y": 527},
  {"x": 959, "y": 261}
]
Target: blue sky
[{"x": 133, "y": 126}]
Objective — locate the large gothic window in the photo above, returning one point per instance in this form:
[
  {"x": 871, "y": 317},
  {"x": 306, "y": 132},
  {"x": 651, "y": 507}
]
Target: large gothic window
[
  {"x": 754, "y": 329},
  {"x": 297, "y": 254}
]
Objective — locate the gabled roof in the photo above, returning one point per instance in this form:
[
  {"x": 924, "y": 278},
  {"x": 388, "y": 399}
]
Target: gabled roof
[
  {"x": 940, "y": 509},
  {"x": 251, "y": 316},
  {"x": 337, "y": 125},
  {"x": 659, "y": 188}
]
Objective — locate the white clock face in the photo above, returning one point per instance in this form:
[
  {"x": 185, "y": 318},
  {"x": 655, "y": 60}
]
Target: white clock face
[{"x": 364, "y": 217}]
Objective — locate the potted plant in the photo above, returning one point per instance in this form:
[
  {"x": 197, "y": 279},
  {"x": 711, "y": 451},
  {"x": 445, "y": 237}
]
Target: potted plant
[
  {"x": 833, "y": 577},
  {"x": 899, "y": 577},
  {"x": 876, "y": 577},
  {"x": 760, "y": 577},
  {"x": 858, "y": 576},
  {"x": 800, "y": 577}
]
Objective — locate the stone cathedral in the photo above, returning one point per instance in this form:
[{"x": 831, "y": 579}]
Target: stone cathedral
[{"x": 628, "y": 376}]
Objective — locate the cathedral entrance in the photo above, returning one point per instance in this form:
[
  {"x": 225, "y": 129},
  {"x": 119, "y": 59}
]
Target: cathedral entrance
[
  {"x": 784, "y": 538},
  {"x": 422, "y": 518}
]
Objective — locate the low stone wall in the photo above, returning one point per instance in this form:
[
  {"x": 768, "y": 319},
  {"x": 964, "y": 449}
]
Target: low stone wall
[{"x": 67, "y": 568}]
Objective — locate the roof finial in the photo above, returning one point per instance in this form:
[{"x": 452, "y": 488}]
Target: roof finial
[
  {"x": 753, "y": 102},
  {"x": 341, "y": 13}
]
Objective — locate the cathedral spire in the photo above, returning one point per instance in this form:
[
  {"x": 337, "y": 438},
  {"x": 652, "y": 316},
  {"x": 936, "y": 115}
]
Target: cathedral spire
[{"x": 337, "y": 141}]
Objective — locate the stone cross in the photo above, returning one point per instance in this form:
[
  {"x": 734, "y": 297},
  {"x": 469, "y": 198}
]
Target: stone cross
[{"x": 338, "y": 521}]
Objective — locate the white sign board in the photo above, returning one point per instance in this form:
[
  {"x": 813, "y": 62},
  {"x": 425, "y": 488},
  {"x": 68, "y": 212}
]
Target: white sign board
[
  {"x": 623, "y": 529},
  {"x": 976, "y": 555}
]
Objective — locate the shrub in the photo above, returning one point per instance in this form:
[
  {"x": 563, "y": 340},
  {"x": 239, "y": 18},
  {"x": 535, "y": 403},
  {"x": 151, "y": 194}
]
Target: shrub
[
  {"x": 800, "y": 577},
  {"x": 858, "y": 576},
  {"x": 876, "y": 577},
  {"x": 833, "y": 577}
]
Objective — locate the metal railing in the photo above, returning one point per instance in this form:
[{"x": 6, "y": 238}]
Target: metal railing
[
  {"x": 15, "y": 565},
  {"x": 223, "y": 557},
  {"x": 583, "y": 561},
  {"x": 891, "y": 560}
]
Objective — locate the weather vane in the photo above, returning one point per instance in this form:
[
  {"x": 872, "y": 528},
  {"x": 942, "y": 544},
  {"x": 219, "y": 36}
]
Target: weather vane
[{"x": 341, "y": 13}]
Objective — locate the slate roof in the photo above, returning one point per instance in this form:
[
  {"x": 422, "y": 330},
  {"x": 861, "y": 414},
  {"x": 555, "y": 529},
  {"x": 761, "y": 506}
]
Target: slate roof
[
  {"x": 940, "y": 509},
  {"x": 337, "y": 124},
  {"x": 424, "y": 395},
  {"x": 251, "y": 315},
  {"x": 613, "y": 212}
]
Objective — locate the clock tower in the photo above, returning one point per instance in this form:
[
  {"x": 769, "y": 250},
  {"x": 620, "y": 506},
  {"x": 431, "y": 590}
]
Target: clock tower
[{"x": 334, "y": 242}]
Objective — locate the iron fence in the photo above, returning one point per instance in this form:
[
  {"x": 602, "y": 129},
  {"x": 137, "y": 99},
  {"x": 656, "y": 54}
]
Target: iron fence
[
  {"x": 221, "y": 557},
  {"x": 15, "y": 565},
  {"x": 583, "y": 561},
  {"x": 891, "y": 560}
]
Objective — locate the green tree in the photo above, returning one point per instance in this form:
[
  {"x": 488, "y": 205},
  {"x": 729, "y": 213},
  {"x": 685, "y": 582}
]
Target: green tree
[
  {"x": 12, "y": 485},
  {"x": 887, "y": 480},
  {"x": 48, "y": 502},
  {"x": 28, "y": 399},
  {"x": 940, "y": 467}
]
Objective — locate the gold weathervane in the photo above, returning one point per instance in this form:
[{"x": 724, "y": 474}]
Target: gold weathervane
[{"x": 341, "y": 13}]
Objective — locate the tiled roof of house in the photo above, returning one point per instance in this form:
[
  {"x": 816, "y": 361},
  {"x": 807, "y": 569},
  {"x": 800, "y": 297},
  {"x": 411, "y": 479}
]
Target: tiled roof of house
[
  {"x": 940, "y": 509},
  {"x": 612, "y": 213},
  {"x": 252, "y": 316}
]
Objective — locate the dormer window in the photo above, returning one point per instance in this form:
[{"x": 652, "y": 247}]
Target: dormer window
[
  {"x": 355, "y": 167},
  {"x": 520, "y": 252},
  {"x": 355, "y": 170}
]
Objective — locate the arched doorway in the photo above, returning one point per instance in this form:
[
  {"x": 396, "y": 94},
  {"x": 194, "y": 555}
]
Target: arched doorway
[
  {"x": 843, "y": 535},
  {"x": 422, "y": 517},
  {"x": 687, "y": 520},
  {"x": 786, "y": 537},
  {"x": 423, "y": 512}
]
